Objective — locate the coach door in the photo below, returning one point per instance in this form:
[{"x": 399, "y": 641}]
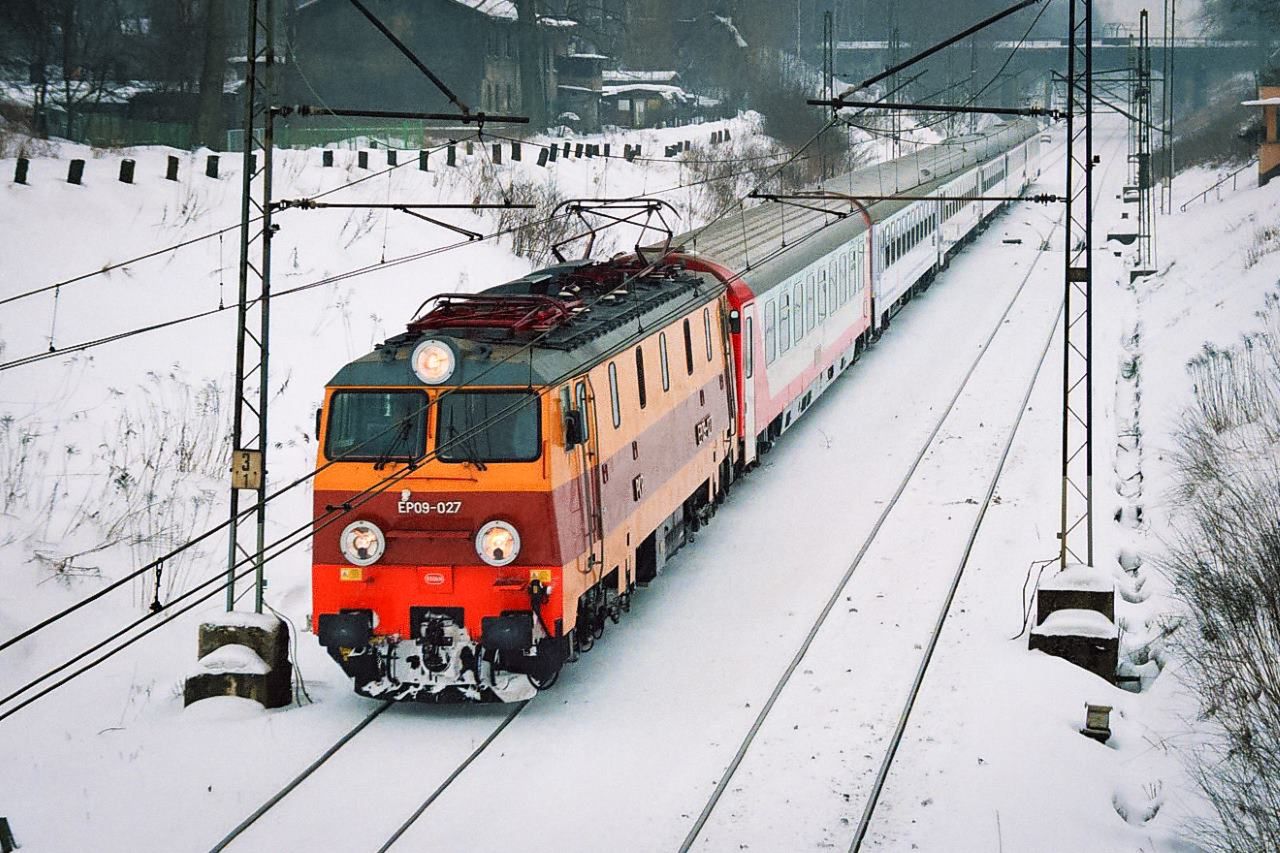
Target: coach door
[{"x": 748, "y": 338}]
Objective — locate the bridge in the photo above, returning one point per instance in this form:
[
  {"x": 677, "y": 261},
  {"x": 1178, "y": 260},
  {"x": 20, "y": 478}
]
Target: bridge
[{"x": 1200, "y": 63}]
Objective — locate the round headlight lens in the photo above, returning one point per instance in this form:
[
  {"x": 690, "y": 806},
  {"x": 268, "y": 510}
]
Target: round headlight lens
[
  {"x": 498, "y": 543},
  {"x": 433, "y": 362},
  {"x": 362, "y": 543}
]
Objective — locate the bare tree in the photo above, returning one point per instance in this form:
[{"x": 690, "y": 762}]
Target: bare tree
[{"x": 1225, "y": 564}]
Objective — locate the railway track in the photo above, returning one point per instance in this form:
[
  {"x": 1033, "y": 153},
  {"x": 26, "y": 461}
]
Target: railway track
[
  {"x": 729, "y": 778},
  {"x": 248, "y": 833},
  {"x": 332, "y": 785}
]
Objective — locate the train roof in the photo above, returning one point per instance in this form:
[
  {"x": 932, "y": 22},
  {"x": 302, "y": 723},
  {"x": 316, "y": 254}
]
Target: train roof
[
  {"x": 757, "y": 236},
  {"x": 540, "y": 329}
]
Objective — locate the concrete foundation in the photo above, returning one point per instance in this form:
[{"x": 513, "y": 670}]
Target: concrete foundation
[
  {"x": 242, "y": 654},
  {"x": 1075, "y": 620}
]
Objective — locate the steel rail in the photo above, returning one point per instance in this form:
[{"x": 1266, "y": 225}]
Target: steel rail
[
  {"x": 299, "y": 779},
  {"x": 890, "y": 505}
]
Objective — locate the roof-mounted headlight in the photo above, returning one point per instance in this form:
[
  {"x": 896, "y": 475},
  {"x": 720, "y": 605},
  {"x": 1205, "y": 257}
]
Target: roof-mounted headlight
[
  {"x": 362, "y": 543},
  {"x": 498, "y": 543},
  {"x": 433, "y": 361}
]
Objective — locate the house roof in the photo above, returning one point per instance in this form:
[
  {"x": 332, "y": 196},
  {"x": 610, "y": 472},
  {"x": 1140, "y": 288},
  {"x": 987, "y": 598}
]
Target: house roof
[
  {"x": 501, "y": 9},
  {"x": 624, "y": 75}
]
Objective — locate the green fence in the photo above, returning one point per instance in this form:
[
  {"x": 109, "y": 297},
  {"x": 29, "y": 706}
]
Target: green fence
[{"x": 108, "y": 131}]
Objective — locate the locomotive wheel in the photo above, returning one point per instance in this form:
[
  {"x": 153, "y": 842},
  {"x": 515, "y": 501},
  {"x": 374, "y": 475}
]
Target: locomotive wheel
[{"x": 586, "y": 639}]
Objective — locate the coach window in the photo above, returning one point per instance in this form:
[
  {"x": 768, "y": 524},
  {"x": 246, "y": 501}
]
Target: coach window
[
  {"x": 822, "y": 294},
  {"x": 688, "y": 348},
  {"x": 644, "y": 399},
  {"x": 770, "y": 332},
  {"x": 784, "y": 323},
  {"x": 613, "y": 395},
  {"x": 706, "y": 327},
  {"x": 662, "y": 361},
  {"x": 750, "y": 356},
  {"x": 844, "y": 278},
  {"x": 810, "y": 302},
  {"x": 797, "y": 311},
  {"x": 581, "y": 391}
]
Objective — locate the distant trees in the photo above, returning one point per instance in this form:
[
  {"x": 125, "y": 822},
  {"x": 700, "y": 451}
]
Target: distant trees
[{"x": 1252, "y": 17}]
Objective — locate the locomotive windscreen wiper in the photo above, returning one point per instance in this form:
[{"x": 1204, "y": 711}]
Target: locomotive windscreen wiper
[
  {"x": 402, "y": 432},
  {"x": 467, "y": 445}
]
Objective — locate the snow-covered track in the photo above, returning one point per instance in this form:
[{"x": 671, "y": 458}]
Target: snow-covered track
[
  {"x": 890, "y": 505},
  {"x": 337, "y": 784},
  {"x": 914, "y": 478}
]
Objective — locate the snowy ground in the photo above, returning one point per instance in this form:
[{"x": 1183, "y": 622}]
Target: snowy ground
[{"x": 635, "y": 736}]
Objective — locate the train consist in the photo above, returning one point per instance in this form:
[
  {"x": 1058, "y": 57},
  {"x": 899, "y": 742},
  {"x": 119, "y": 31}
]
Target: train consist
[{"x": 518, "y": 461}]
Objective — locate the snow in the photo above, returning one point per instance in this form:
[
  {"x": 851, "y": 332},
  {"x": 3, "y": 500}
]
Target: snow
[
  {"x": 232, "y": 657},
  {"x": 505, "y": 9},
  {"x": 243, "y": 619},
  {"x": 992, "y": 757},
  {"x": 1078, "y": 576},
  {"x": 1076, "y": 623},
  {"x": 627, "y": 75},
  {"x": 1261, "y": 102}
]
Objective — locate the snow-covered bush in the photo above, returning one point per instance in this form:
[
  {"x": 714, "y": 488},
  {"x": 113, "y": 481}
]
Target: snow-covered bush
[{"x": 1225, "y": 565}]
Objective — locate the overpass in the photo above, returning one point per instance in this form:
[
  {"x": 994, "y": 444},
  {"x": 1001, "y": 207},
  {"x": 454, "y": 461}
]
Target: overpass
[{"x": 1200, "y": 63}]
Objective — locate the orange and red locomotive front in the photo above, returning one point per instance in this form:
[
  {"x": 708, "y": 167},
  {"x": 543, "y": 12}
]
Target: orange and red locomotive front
[{"x": 470, "y": 538}]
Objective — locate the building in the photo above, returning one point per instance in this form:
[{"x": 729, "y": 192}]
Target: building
[{"x": 492, "y": 59}]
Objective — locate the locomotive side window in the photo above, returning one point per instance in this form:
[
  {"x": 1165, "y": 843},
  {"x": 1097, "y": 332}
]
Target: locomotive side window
[
  {"x": 644, "y": 399},
  {"x": 488, "y": 426},
  {"x": 581, "y": 391},
  {"x": 770, "y": 332},
  {"x": 688, "y": 348},
  {"x": 613, "y": 395},
  {"x": 750, "y": 345},
  {"x": 706, "y": 326},
  {"x": 662, "y": 360},
  {"x": 367, "y": 426}
]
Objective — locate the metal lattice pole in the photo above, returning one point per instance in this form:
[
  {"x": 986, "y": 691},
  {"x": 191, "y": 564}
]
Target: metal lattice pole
[
  {"x": 1076, "y": 532},
  {"x": 253, "y": 313},
  {"x": 1141, "y": 110}
]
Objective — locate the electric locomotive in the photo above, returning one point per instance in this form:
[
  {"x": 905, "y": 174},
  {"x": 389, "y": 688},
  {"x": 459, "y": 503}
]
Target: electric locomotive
[{"x": 510, "y": 468}]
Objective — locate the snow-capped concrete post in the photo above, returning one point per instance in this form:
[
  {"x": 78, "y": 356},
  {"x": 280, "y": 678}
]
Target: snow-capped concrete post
[
  {"x": 1097, "y": 722},
  {"x": 552, "y": 153},
  {"x": 326, "y": 157},
  {"x": 211, "y": 166},
  {"x": 362, "y": 159},
  {"x": 423, "y": 164},
  {"x": 7, "y": 842},
  {"x": 75, "y": 172},
  {"x": 126, "y": 171},
  {"x": 542, "y": 158},
  {"x": 497, "y": 153},
  {"x": 392, "y": 157},
  {"x": 242, "y": 654},
  {"x": 1075, "y": 619},
  {"x": 171, "y": 169},
  {"x": 20, "y": 170},
  {"x": 451, "y": 156},
  {"x": 516, "y": 153}
]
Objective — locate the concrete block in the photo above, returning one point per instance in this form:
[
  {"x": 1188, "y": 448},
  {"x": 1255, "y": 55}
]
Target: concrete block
[{"x": 242, "y": 654}]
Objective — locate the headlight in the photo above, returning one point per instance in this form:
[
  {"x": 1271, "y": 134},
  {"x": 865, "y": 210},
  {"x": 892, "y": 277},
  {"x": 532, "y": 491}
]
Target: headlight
[
  {"x": 433, "y": 362},
  {"x": 498, "y": 543},
  {"x": 362, "y": 543}
]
